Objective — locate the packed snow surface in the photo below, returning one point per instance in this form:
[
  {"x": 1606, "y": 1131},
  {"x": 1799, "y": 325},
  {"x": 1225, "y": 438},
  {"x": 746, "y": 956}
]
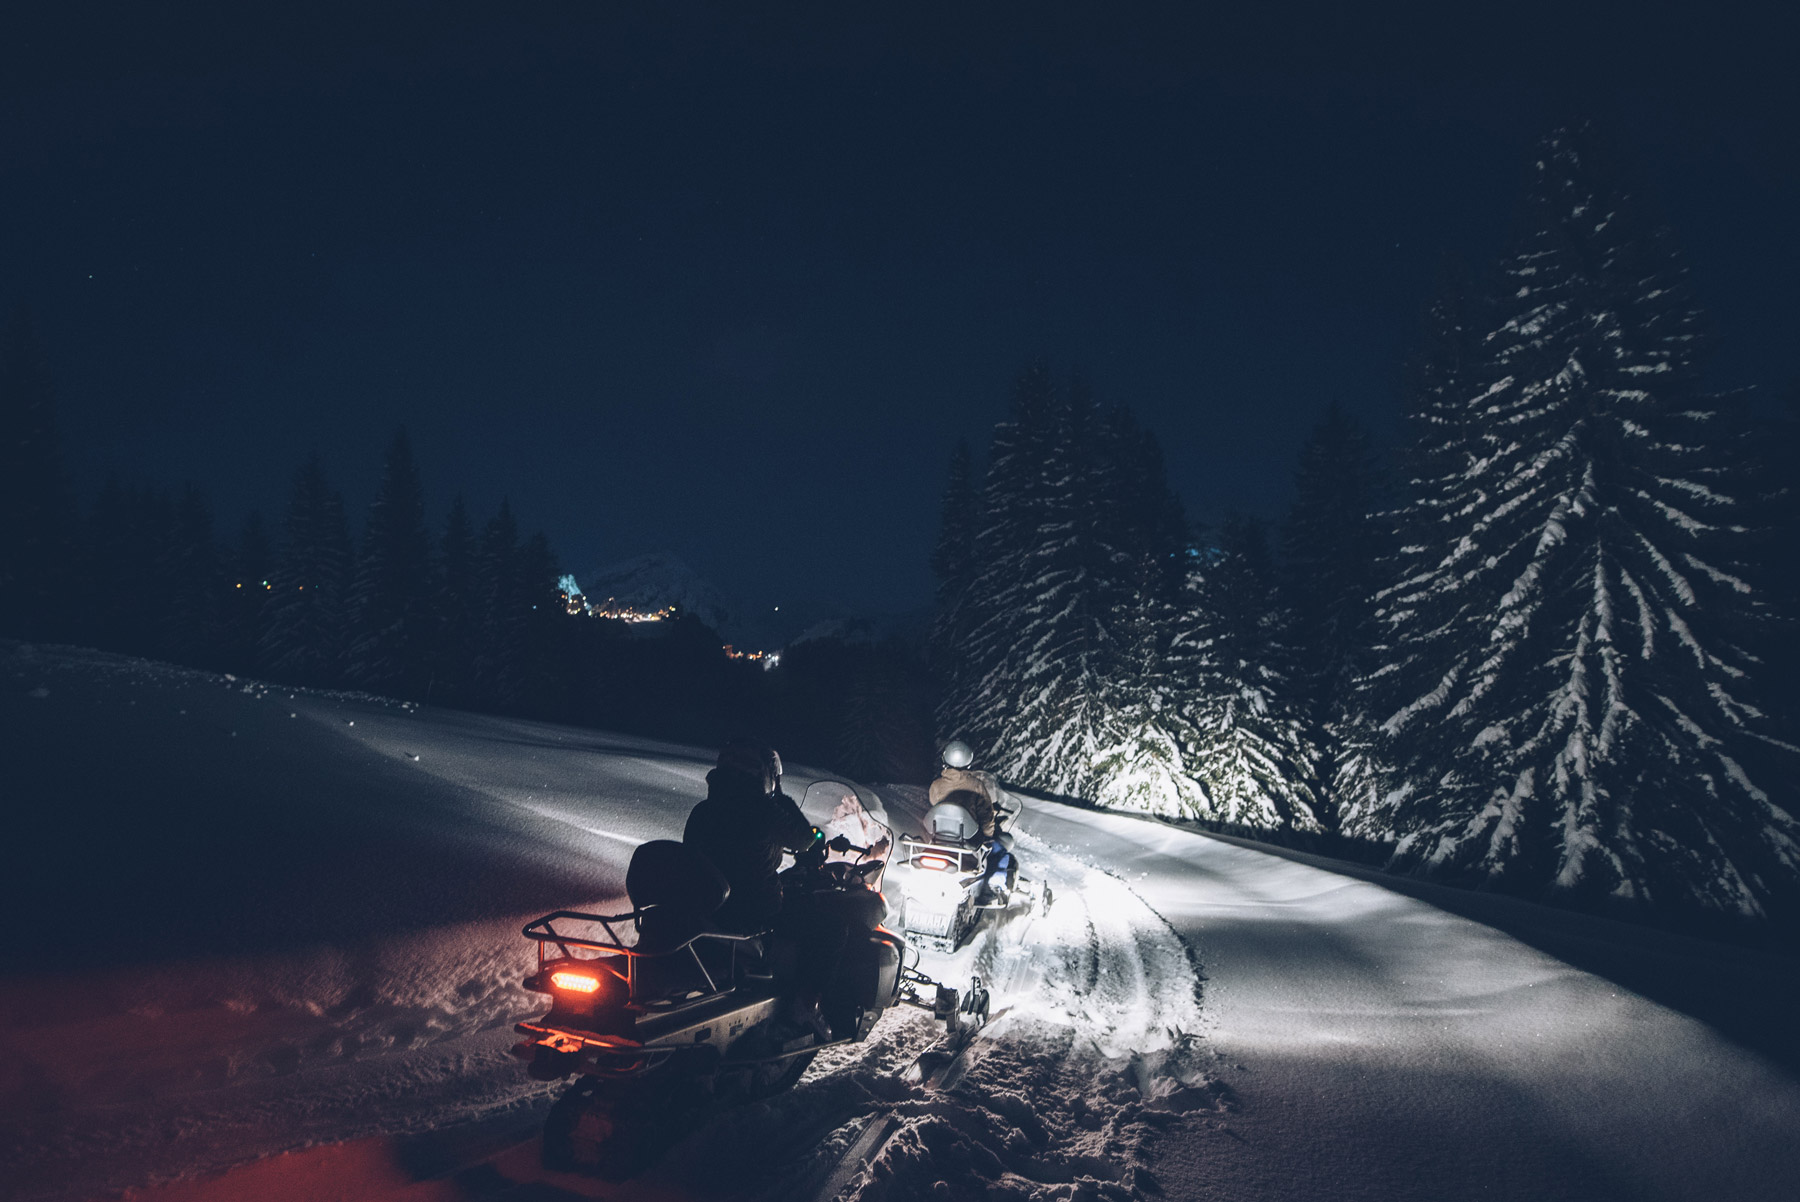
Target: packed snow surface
[{"x": 274, "y": 934}]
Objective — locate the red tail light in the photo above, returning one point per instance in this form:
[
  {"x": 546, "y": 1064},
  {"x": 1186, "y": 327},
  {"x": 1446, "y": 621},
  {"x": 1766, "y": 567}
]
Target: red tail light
[
  {"x": 935, "y": 863},
  {"x": 574, "y": 982}
]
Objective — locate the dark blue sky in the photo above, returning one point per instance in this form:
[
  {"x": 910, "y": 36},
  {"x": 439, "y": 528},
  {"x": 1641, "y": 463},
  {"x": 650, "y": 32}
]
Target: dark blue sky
[{"x": 733, "y": 289}]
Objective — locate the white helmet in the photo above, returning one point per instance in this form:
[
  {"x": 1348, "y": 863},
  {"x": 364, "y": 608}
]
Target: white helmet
[{"x": 957, "y": 754}]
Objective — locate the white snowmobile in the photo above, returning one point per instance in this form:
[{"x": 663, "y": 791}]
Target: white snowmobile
[
  {"x": 954, "y": 877},
  {"x": 661, "y": 1019}
]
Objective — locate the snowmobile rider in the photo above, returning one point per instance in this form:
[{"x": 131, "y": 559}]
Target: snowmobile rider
[
  {"x": 743, "y": 826},
  {"x": 959, "y": 786}
]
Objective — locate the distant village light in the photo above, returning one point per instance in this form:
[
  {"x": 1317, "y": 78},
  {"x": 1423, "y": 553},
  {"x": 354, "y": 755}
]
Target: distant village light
[{"x": 610, "y": 608}]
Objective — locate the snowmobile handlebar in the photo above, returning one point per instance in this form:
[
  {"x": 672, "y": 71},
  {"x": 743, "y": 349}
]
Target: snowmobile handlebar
[{"x": 837, "y": 844}]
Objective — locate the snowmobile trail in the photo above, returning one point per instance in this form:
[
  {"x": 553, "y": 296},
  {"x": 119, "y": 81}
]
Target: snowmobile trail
[
  {"x": 310, "y": 904},
  {"x": 268, "y": 946},
  {"x": 1088, "y": 1057},
  {"x": 890, "y": 1119}
]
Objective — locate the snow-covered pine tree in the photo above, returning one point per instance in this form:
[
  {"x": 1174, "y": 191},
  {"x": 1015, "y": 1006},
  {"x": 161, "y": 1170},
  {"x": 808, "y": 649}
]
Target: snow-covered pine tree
[
  {"x": 306, "y": 637},
  {"x": 1331, "y": 543},
  {"x": 1778, "y": 450},
  {"x": 1061, "y": 607},
  {"x": 1433, "y": 467},
  {"x": 1576, "y": 680},
  {"x": 390, "y": 596},
  {"x": 983, "y": 692},
  {"x": 1142, "y": 762},
  {"x": 1240, "y": 713},
  {"x": 1067, "y": 610}
]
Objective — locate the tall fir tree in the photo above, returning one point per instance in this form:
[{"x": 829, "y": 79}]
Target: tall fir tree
[
  {"x": 1068, "y": 604},
  {"x": 1572, "y": 702},
  {"x": 37, "y": 517},
  {"x": 194, "y": 627},
  {"x": 129, "y": 545},
  {"x": 391, "y": 594},
  {"x": 499, "y": 645},
  {"x": 1331, "y": 543},
  {"x": 1142, "y": 762},
  {"x": 246, "y": 590},
  {"x": 542, "y": 644},
  {"x": 1059, "y": 612},
  {"x": 106, "y": 541},
  {"x": 883, "y": 726},
  {"x": 306, "y": 638},
  {"x": 1437, "y": 453},
  {"x": 1012, "y": 503},
  {"x": 1242, "y": 715},
  {"x": 458, "y": 609},
  {"x": 1774, "y": 448},
  {"x": 954, "y": 562}
]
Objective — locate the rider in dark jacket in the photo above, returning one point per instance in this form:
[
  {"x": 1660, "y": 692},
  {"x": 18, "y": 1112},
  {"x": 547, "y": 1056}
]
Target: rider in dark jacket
[{"x": 743, "y": 826}]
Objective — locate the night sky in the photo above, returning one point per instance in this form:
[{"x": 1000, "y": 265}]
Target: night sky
[{"x": 733, "y": 288}]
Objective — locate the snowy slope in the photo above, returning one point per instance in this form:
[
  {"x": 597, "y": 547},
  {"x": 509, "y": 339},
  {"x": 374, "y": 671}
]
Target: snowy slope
[
  {"x": 250, "y": 919},
  {"x": 305, "y": 937}
]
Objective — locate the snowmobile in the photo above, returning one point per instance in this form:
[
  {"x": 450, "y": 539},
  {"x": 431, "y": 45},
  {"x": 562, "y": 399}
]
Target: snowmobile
[
  {"x": 952, "y": 877},
  {"x": 661, "y": 1019}
]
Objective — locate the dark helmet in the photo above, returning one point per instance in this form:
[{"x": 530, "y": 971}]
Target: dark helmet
[
  {"x": 957, "y": 754},
  {"x": 756, "y": 760}
]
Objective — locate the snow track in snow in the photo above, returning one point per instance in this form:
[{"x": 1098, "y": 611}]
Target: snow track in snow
[
  {"x": 306, "y": 911},
  {"x": 1090, "y": 1053}
]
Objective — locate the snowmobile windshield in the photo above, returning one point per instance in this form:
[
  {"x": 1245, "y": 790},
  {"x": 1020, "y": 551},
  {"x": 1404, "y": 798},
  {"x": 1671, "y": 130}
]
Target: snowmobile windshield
[{"x": 840, "y": 812}]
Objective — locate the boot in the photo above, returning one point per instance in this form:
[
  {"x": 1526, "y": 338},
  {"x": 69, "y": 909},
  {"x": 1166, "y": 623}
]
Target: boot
[{"x": 802, "y": 1013}]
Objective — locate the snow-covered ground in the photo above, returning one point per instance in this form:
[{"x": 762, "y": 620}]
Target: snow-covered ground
[
  {"x": 274, "y": 934},
  {"x": 1379, "y": 1047}
]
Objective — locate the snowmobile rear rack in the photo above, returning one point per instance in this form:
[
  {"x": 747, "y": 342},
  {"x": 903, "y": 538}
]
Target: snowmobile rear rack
[{"x": 542, "y": 932}]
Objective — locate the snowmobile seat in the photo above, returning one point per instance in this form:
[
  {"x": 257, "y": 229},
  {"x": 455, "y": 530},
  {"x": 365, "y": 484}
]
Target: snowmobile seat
[
  {"x": 664, "y": 872},
  {"x": 951, "y": 822},
  {"x": 675, "y": 891}
]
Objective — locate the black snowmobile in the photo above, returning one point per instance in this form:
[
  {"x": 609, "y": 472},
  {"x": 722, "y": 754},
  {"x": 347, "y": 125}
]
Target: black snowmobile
[{"x": 661, "y": 1019}]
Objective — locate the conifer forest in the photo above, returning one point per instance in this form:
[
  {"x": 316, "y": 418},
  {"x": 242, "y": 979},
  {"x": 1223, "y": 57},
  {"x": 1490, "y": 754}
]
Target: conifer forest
[{"x": 1543, "y": 643}]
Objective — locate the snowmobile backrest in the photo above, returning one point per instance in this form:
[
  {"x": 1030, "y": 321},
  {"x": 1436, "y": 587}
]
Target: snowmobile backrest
[
  {"x": 947, "y": 820},
  {"x": 666, "y": 873}
]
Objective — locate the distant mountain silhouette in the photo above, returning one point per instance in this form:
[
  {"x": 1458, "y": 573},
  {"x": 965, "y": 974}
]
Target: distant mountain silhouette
[
  {"x": 659, "y": 579},
  {"x": 662, "y": 578}
]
